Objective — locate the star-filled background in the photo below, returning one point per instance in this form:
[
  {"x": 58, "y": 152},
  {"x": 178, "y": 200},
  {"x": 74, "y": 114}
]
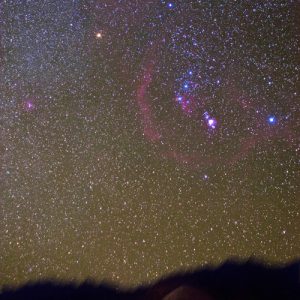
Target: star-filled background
[{"x": 139, "y": 138}]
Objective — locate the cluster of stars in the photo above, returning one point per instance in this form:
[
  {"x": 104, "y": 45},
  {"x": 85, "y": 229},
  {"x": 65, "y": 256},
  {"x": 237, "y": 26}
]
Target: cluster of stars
[{"x": 186, "y": 96}]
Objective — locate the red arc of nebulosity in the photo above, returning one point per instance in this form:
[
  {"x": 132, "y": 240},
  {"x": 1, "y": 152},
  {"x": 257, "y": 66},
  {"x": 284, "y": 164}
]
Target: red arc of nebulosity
[
  {"x": 150, "y": 131},
  {"x": 198, "y": 159}
]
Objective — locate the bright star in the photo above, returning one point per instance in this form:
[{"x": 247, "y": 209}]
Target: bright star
[
  {"x": 272, "y": 120},
  {"x": 99, "y": 35}
]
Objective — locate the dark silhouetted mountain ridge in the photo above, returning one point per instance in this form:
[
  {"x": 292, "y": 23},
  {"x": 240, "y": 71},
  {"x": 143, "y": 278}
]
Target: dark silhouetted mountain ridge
[{"x": 231, "y": 281}]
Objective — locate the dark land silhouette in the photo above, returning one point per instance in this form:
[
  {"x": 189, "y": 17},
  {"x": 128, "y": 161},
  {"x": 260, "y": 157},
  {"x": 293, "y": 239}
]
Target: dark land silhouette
[{"x": 232, "y": 280}]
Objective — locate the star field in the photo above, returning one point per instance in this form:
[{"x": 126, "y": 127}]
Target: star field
[{"x": 140, "y": 138}]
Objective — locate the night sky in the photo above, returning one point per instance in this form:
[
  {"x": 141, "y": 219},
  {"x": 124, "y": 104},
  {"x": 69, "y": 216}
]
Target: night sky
[{"x": 142, "y": 137}]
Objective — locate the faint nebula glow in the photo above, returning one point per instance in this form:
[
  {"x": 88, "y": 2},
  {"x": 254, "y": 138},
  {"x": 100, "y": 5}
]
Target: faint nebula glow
[{"x": 28, "y": 105}]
